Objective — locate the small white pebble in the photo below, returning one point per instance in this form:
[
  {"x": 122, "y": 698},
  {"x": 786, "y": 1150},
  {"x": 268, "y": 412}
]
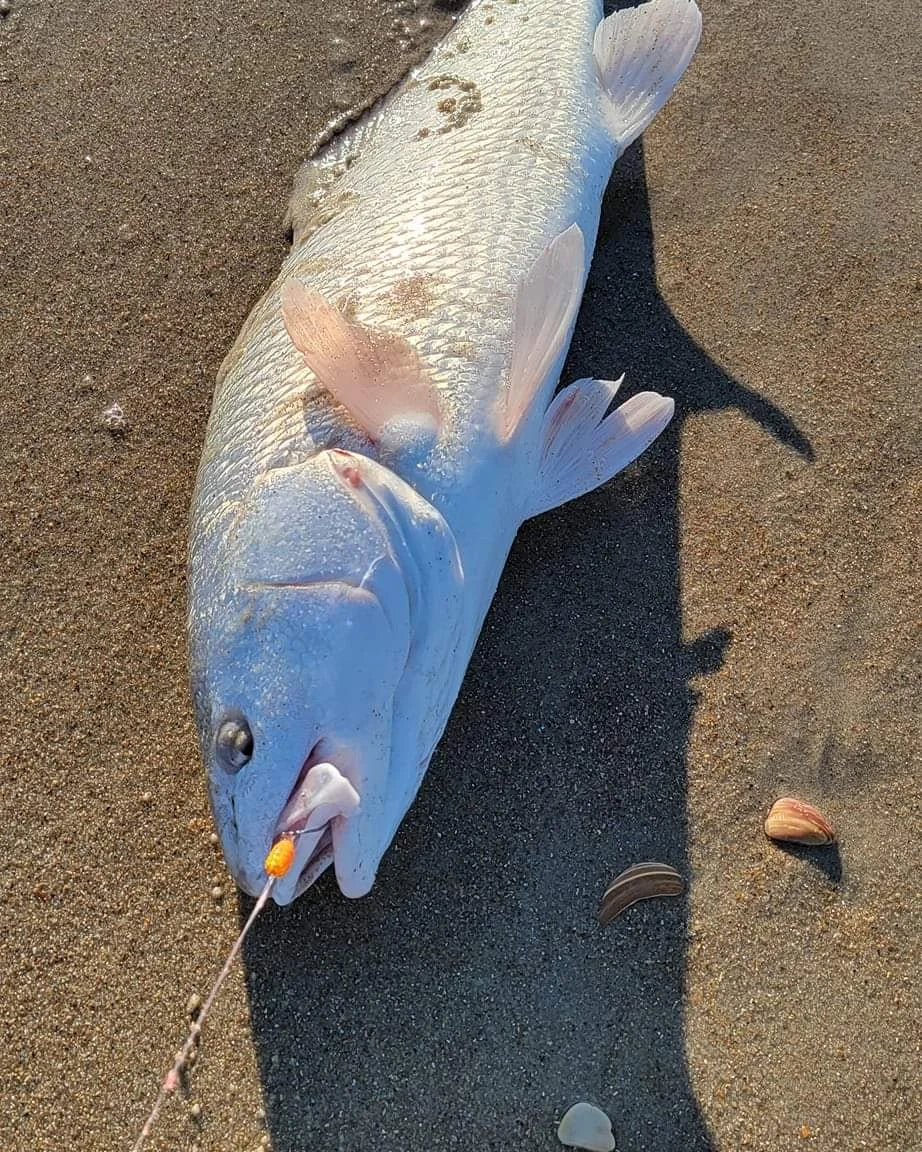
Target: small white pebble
[
  {"x": 195, "y": 1110},
  {"x": 214, "y": 839},
  {"x": 193, "y": 1004},
  {"x": 114, "y": 417},
  {"x": 5, "y": 7},
  {"x": 146, "y": 797},
  {"x": 260, "y": 1114},
  {"x": 217, "y": 892},
  {"x": 585, "y": 1126}
]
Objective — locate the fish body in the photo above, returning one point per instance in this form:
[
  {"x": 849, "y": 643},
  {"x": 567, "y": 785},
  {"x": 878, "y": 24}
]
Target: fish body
[{"x": 386, "y": 421}]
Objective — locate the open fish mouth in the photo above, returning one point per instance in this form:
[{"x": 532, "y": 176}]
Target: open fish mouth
[
  {"x": 300, "y": 878},
  {"x": 321, "y": 794}
]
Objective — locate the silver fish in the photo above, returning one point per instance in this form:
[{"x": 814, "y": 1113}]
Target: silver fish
[{"x": 386, "y": 420}]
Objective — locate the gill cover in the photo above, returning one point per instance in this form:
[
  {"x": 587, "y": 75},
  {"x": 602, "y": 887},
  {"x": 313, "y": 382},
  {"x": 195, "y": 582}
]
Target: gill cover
[{"x": 349, "y": 604}]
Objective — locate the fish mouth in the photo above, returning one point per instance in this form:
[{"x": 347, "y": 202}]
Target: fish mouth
[
  {"x": 321, "y": 795},
  {"x": 321, "y": 857}
]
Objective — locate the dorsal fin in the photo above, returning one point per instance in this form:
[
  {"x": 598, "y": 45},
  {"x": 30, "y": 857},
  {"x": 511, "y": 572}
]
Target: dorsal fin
[
  {"x": 377, "y": 376},
  {"x": 546, "y": 307},
  {"x": 333, "y": 153}
]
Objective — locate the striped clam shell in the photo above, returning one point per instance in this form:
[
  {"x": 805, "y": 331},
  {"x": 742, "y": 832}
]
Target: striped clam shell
[
  {"x": 639, "y": 882},
  {"x": 798, "y": 823}
]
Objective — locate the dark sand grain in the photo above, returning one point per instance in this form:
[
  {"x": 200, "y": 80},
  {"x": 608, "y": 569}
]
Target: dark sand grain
[{"x": 735, "y": 619}]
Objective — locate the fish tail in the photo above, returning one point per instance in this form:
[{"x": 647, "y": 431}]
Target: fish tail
[{"x": 641, "y": 54}]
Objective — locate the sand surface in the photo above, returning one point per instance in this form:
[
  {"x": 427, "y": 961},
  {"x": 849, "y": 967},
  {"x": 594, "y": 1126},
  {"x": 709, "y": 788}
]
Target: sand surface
[{"x": 735, "y": 618}]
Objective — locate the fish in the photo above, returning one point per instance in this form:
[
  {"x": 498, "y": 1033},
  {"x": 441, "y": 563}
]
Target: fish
[{"x": 389, "y": 416}]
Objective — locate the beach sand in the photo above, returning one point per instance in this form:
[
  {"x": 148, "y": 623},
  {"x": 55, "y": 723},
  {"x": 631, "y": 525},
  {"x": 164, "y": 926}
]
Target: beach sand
[{"x": 734, "y": 619}]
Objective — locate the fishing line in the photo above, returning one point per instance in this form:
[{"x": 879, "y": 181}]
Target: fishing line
[{"x": 278, "y": 862}]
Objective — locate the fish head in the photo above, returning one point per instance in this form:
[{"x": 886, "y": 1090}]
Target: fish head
[{"x": 299, "y": 667}]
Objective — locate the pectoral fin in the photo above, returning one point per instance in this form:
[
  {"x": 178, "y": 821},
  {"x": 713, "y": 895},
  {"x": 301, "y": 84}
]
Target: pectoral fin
[
  {"x": 377, "y": 376},
  {"x": 581, "y": 450},
  {"x": 546, "y": 308}
]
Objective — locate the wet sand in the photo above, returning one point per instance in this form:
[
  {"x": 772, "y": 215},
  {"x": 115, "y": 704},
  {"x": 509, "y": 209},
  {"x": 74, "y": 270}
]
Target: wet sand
[{"x": 735, "y": 618}]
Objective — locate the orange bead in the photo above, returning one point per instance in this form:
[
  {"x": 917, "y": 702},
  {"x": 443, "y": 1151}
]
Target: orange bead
[{"x": 280, "y": 858}]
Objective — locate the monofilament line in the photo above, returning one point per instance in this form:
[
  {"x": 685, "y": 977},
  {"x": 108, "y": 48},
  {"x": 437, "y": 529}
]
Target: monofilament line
[{"x": 171, "y": 1080}]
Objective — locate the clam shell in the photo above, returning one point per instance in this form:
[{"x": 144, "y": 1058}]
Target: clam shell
[
  {"x": 798, "y": 823},
  {"x": 585, "y": 1126},
  {"x": 639, "y": 882}
]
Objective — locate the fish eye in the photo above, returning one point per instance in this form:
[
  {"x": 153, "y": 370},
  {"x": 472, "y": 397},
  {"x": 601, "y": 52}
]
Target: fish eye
[{"x": 234, "y": 742}]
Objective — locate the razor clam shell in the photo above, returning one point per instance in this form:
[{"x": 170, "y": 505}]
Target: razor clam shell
[{"x": 643, "y": 881}]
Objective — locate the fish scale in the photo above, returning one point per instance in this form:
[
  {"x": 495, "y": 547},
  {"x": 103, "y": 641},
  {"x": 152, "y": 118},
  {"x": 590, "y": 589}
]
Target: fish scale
[{"x": 469, "y": 209}]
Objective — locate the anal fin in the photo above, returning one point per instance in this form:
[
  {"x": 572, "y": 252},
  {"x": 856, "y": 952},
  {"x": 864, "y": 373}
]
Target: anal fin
[
  {"x": 640, "y": 54},
  {"x": 581, "y": 450}
]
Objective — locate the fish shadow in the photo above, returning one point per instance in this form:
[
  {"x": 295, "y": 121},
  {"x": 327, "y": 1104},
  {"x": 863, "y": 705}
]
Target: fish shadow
[{"x": 473, "y": 996}]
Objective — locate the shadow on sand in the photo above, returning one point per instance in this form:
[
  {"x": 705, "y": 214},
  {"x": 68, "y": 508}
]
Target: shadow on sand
[{"x": 472, "y": 997}]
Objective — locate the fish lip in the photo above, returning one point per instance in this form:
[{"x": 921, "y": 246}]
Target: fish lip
[
  {"x": 321, "y": 855},
  {"x": 320, "y": 858},
  {"x": 317, "y": 863}
]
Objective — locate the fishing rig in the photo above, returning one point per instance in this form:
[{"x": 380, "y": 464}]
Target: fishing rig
[{"x": 277, "y": 864}]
